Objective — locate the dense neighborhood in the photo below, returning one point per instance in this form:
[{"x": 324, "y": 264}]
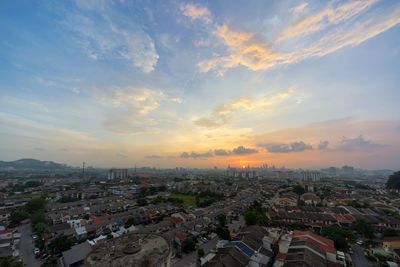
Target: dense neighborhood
[{"x": 201, "y": 220}]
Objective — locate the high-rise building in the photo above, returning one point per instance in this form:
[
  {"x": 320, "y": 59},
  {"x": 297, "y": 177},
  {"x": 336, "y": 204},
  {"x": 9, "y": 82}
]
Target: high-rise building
[{"x": 118, "y": 174}]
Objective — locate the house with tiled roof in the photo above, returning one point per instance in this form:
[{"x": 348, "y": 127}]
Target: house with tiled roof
[{"x": 309, "y": 249}]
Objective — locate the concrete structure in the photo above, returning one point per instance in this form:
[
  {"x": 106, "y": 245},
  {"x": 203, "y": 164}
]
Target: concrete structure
[
  {"x": 118, "y": 174},
  {"x": 132, "y": 249},
  {"x": 311, "y": 176}
]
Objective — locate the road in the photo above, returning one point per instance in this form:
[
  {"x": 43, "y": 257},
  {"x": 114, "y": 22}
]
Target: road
[
  {"x": 190, "y": 259},
  {"x": 26, "y": 246},
  {"x": 272, "y": 200},
  {"x": 358, "y": 257}
]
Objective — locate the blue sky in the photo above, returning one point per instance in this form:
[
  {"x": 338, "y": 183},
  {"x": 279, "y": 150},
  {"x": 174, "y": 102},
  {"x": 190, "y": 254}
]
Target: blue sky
[{"x": 118, "y": 83}]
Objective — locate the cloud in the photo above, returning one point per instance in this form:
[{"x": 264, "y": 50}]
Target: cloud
[
  {"x": 75, "y": 90},
  {"x": 331, "y": 15},
  {"x": 323, "y": 32},
  {"x": 47, "y": 83},
  {"x": 245, "y": 48},
  {"x": 220, "y": 116},
  {"x": 39, "y": 130},
  {"x": 101, "y": 37},
  {"x": 124, "y": 123},
  {"x": 286, "y": 148},
  {"x": 121, "y": 156},
  {"x": 39, "y": 149},
  {"x": 323, "y": 145},
  {"x": 154, "y": 157},
  {"x": 241, "y": 150},
  {"x": 358, "y": 143},
  {"x": 196, "y": 12},
  {"x": 223, "y": 114},
  {"x": 197, "y": 155},
  {"x": 129, "y": 107},
  {"x": 298, "y": 9},
  {"x": 222, "y": 152},
  {"x": 143, "y": 100}
]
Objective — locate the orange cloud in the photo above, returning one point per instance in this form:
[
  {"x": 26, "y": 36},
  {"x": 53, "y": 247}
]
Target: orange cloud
[
  {"x": 329, "y": 16},
  {"x": 223, "y": 114},
  {"x": 196, "y": 12},
  {"x": 337, "y": 28}
]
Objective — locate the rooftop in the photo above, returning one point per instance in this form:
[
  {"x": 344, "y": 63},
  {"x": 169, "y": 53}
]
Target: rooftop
[{"x": 130, "y": 250}]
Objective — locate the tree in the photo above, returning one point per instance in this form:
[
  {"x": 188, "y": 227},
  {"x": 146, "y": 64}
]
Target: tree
[
  {"x": 35, "y": 204},
  {"x": 364, "y": 228},
  {"x": 250, "y": 217},
  {"x": 191, "y": 243},
  {"x": 41, "y": 229},
  {"x": 298, "y": 226},
  {"x": 339, "y": 236},
  {"x": 298, "y": 189},
  {"x": 50, "y": 262},
  {"x": 390, "y": 232},
  {"x": 60, "y": 244},
  {"x": 10, "y": 261},
  {"x": 130, "y": 222},
  {"x": 200, "y": 253},
  {"x": 223, "y": 233},
  {"x": 33, "y": 184},
  {"x": 18, "y": 215},
  {"x": 394, "y": 181},
  {"x": 38, "y": 216},
  {"x": 222, "y": 220},
  {"x": 141, "y": 202}
]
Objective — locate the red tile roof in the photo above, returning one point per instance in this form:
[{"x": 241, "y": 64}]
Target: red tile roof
[
  {"x": 281, "y": 256},
  {"x": 325, "y": 244},
  {"x": 341, "y": 218},
  {"x": 95, "y": 219},
  {"x": 175, "y": 220},
  {"x": 5, "y": 232},
  {"x": 180, "y": 236}
]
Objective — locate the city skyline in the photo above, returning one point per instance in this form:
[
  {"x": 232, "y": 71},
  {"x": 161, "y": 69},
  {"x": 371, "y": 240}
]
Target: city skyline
[{"x": 200, "y": 84}]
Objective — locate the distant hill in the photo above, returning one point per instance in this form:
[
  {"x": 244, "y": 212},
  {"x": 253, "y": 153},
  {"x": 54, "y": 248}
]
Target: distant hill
[{"x": 31, "y": 164}]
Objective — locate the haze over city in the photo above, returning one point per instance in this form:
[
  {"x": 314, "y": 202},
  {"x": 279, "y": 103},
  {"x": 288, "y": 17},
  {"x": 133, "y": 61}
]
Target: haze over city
[{"x": 200, "y": 84}]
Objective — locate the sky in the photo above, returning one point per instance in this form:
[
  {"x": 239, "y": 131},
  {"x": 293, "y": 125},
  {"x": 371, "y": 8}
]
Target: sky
[{"x": 301, "y": 84}]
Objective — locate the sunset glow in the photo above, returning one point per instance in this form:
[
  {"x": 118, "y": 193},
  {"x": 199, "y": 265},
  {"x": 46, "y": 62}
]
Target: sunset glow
[{"x": 201, "y": 84}]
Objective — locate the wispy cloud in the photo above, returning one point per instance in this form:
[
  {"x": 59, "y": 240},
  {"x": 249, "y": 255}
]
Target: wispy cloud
[
  {"x": 121, "y": 156},
  {"x": 336, "y": 26},
  {"x": 154, "y": 157},
  {"x": 333, "y": 14},
  {"x": 38, "y": 129},
  {"x": 298, "y": 9},
  {"x": 101, "y": 37},
  {"x": 196, "y": 12},
  {"x": 45, "y": 82},
  {"x": 223, "y": 114},
  {"x": 143, "y": 100}
]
